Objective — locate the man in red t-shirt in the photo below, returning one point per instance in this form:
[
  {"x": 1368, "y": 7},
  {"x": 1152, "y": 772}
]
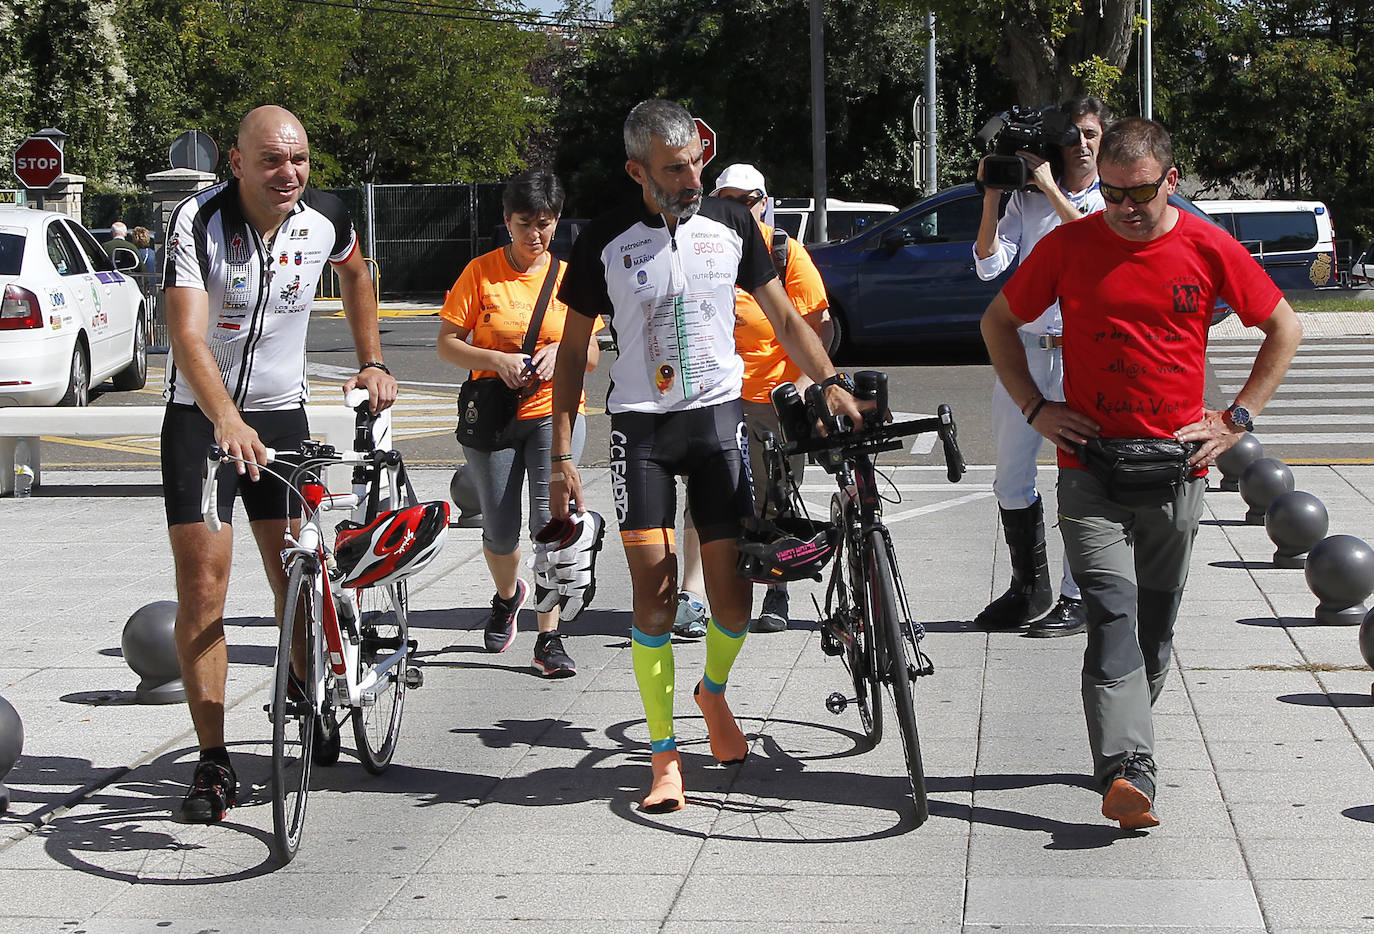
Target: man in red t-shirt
[{"x": 1136, "y": 285}]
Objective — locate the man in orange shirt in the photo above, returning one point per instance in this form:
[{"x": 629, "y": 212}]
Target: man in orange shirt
[{"x": 766, "y": 365}]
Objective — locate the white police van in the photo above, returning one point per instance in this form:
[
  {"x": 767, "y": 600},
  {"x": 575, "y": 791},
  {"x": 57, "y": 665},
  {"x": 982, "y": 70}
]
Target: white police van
[{"x": 1292, "y": 240}]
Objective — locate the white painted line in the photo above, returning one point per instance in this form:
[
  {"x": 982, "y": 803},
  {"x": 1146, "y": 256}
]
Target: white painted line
[
  {"x": 1298, "y": 361},
  {"x": 1362, "y": 418},
  {"x": 894, "y": 518},
  {"x": 1289, "y": 389},
  {"x": 1305, "y": 372},
  {"x": 1315, "y": 438},
  {"x": 1317, "y": 404}
]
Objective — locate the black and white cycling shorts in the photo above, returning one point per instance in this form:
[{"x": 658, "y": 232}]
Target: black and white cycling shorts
[{"x": 707, "y": 446}]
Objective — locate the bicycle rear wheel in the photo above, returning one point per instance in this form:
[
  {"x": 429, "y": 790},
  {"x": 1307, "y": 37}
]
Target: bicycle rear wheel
[
  {"x": 384, "y": 630},
  {"x": 898, "y": 672},
  {"x": 293, "y": 714}
]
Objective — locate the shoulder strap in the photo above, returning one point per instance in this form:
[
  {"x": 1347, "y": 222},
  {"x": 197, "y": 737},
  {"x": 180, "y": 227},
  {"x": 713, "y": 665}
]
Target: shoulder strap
[
  {"x": 545, "y": 293},
  {"x": 779, "y": 252}
]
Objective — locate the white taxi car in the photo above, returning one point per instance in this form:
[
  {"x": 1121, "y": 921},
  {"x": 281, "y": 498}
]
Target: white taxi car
[{"x": 69, "y": 319}]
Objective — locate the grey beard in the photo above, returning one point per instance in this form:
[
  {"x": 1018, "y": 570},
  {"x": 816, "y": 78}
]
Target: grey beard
[{"x": 668, "y": 204}]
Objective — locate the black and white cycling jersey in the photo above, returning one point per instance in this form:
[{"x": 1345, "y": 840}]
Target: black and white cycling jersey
[
  {"x": 670, "y": 301},
  {"x": 259, "y": 292}
]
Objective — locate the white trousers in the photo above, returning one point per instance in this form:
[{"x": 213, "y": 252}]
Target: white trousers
[{"x": 1018, "y": 444}]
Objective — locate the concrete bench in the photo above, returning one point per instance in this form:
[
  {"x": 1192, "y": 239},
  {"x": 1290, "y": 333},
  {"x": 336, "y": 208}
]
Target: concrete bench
[{"x": 23, "y": 428}]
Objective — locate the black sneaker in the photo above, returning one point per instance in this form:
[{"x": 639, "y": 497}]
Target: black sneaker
[
  {"x": 773, "y": 614},
  {"x": 550, "y": 659},
  {"x": 214, "y": 790},
  {"x": 1130, "y": 797},
  {"x": 500, "y": 632}
]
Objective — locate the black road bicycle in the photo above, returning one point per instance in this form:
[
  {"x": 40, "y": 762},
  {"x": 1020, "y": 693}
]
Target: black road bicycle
[{"x": 867, "y": 621}]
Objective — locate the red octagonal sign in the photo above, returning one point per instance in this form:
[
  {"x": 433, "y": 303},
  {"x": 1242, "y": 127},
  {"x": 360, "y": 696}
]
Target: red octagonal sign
[
  {"x": 708, "y": 140},
  {"x": 37, "y": 162}
]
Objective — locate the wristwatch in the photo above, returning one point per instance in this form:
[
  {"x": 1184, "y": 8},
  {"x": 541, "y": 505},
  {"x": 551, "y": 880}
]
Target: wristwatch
[
  {"x": 1238, "y": 416},
  {"x": 839, "y": 379}
]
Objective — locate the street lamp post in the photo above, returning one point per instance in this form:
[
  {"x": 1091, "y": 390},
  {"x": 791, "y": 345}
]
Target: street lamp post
[{"x": 818, "y": 167}]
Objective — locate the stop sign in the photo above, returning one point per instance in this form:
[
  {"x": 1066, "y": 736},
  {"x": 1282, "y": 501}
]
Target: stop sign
[
  {"x": 37, "y": 162},
  {"x": 708, "y": 140}
]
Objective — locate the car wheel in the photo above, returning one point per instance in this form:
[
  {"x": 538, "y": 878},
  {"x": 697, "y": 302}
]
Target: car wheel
[
  {"x": 839, "y": 341},
  {"x": 79, "y": 380},
  {"x": 135, "y": 375}
]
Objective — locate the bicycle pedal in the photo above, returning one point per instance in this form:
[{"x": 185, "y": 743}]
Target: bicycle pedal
[
  {"x": 415, "y": 678},
  {"x": 836, "y": 703},
  {"x": 831, "y": 644}
]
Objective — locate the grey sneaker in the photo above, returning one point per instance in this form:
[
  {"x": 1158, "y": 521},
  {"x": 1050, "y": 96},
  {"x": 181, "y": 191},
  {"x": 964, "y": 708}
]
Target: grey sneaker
[
  {"x": 691, "y": 617},
  {"x": 773, "y": 615},
  {"x": 1130, "y": 797},
  {"x": 550, "y": 658},
  {"x": 500, "y": 629}
]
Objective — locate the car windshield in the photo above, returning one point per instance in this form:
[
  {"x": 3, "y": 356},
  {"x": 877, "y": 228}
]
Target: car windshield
[{"x": 11, "y": 253}]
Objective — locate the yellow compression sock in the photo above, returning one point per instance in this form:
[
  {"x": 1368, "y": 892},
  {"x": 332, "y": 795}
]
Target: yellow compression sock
[
  {"x": 653, "y": 663},
  {"x": 722, "y": 648}
]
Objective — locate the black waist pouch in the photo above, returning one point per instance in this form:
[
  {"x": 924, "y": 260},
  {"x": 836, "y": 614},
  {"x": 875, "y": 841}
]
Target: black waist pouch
[{"x": 1138, "y": 465}]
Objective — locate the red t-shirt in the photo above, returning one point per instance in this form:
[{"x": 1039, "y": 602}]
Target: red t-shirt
[{"x": 1136, "y": 317}]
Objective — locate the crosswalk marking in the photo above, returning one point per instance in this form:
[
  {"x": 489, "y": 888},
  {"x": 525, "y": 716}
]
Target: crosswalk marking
[{"x": 1330, "y": 384}]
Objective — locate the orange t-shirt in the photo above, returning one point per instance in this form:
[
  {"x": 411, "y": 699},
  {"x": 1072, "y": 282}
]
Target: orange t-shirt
[
  {"x": 495, "y": 303},
  {"x": 766, "y": 364}
]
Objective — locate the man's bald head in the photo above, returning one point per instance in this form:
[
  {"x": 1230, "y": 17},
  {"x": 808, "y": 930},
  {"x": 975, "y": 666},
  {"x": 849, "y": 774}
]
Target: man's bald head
[
  {"x": 268, "y": 120},
  {"x": 271, "y": 160}
]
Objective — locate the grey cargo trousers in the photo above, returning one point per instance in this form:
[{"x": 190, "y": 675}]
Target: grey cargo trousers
[{"x": 1131, "y": 561}]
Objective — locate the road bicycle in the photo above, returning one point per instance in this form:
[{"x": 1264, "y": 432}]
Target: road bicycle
[
  {"x": 867, "y": 619},
  {"x": 345, "y": 616}
]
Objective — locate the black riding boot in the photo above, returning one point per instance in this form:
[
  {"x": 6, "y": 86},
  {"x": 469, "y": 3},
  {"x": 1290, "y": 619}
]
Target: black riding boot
[{"x": 1029, "y": 594}]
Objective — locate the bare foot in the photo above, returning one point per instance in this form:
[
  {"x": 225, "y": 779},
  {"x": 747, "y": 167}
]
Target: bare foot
[
  {"x": 666, "y": 792},
  {"x": 728, "y": 744}
]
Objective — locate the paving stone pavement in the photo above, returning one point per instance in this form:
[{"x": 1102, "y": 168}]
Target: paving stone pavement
[{"x": 511, "y": 805}]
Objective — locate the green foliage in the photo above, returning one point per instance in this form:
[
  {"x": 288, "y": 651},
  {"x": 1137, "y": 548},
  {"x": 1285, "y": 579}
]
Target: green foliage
[{"x": 743, "y": 66}]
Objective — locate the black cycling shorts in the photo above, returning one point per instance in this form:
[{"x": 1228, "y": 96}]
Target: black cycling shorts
[
  {"x": 187, "y": 435},
  {"x": 707, "y": 446}
]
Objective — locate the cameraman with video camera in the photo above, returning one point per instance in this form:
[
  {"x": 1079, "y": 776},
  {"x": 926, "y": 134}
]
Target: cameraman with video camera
[{"x": 1070, "y": 135}]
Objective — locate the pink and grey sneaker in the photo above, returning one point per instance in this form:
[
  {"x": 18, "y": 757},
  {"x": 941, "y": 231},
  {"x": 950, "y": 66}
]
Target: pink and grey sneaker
[{"x": 500, "y": 629}]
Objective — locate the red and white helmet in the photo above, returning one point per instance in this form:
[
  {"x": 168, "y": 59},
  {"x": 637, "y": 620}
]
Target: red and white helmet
[{"x": 391, "y": 547}]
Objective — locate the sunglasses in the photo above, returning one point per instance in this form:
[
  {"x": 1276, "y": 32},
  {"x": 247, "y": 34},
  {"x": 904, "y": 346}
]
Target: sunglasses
[
  {"x": 1140, "y": 194},
  {"x": 748, "y": 199}
]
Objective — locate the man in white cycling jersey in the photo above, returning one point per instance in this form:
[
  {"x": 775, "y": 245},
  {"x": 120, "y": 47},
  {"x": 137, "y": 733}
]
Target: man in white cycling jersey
[
  {"x": 662, "y": 271},
  {"x": 242, "y": 262}
]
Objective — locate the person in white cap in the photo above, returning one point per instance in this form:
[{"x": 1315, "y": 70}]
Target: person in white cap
[{"x": 766, "y": 365}]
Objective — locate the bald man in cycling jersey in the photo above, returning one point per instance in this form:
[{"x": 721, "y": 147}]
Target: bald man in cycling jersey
[
  {"x": 662, "y": 271},
  {"x": 243, "y": 259}
]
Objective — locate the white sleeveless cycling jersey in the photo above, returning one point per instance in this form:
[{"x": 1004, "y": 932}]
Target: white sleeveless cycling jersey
[{"x": 259, "y": 293}]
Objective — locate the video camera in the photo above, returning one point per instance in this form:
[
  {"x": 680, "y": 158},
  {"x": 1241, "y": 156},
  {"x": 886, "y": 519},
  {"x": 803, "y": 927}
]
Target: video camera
[{"x": 1040, "y": 132}]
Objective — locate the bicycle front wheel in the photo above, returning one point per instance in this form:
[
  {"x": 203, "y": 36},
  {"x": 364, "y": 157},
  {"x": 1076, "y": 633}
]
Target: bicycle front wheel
[
  {"x": 384, "y": 632},
  {"x": 899, "y": 672},
  {"x": 293, "y": 714}
]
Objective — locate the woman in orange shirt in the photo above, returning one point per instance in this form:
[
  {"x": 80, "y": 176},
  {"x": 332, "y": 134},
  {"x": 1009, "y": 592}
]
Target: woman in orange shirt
[{"x": 485, "y": 318}]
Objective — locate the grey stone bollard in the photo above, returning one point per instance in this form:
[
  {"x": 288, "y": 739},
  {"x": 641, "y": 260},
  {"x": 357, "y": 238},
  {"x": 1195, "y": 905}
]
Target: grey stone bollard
[
  {"x": 1340, "y": 573},
  {"x": 1235, "y": 459},
  {"x": 463, "y": 492},
  {"x": 1366, "y": 643},
  {"x": 1262, "y": 482},
  {"x": 11, "y": 745},
  {"x": 1295, "y": 522},
  {"x": 150, "y": 649}
]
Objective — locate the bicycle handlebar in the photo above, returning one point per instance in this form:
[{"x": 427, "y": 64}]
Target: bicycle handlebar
[{"x": 872, "y": 438}]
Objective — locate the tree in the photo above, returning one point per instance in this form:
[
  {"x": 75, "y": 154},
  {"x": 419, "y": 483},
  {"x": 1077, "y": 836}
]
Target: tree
[
  {"x": 743, "y": 67},
  {"x": 1049, "y": 50}
]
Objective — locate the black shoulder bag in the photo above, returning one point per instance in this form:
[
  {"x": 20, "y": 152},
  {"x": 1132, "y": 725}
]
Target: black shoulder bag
[{"x": 487, "y": 407}]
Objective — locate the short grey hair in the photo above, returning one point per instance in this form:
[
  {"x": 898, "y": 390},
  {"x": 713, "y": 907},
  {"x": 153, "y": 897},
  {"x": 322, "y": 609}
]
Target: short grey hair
[
  {"x": 119, "y": 230},
  {"x": 668, "y": 120}
]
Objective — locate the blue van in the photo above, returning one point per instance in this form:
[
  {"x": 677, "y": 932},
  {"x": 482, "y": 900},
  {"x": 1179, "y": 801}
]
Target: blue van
[{"x": 1292, "y": 240}]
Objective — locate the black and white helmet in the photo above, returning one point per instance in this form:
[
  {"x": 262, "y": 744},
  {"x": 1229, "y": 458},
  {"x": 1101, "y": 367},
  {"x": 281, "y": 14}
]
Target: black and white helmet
[{"x": 785, "y": 549}]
